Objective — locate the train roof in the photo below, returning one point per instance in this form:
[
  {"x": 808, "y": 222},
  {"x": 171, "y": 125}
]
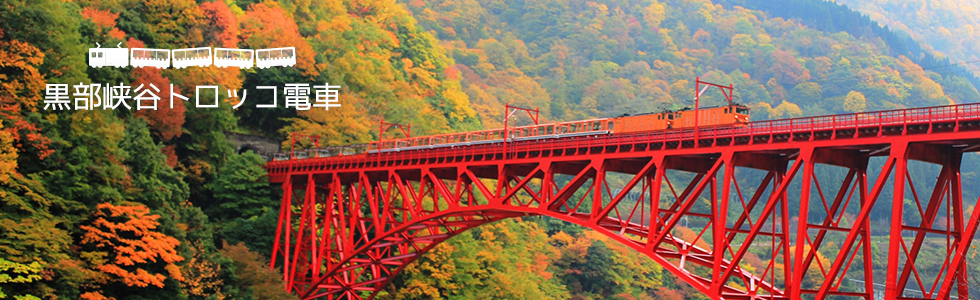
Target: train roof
[
  {"x": 643, "y": 114},
  {"x": 687, "y": 108}
]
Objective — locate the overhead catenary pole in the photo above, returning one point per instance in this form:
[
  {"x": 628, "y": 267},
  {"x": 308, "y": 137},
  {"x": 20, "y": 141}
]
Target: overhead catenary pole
[
  {"x": 296, "y": 136},
  {"x": 508, "y": 113},
  {"x": 406, "y": 129},
  {"x": 728, "y": 91}
]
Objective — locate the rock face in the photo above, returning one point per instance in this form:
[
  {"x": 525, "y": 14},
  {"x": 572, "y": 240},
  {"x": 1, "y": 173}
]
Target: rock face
[{"x": 259, "y": 144}]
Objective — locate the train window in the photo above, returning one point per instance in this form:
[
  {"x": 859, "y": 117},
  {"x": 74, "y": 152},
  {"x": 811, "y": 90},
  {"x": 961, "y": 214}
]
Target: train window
[
  {"x": 726, "y": 110},
  {"x": 742, "y": 110},
  {"x": 611, "y": 125},
  {"x": 596, "y": 126}
]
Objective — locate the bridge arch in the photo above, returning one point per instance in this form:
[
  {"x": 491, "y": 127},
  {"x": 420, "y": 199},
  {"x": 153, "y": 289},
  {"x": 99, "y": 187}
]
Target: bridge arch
[
  {"x": 362, "y": 228},
  {"x": 363, "y": 273}
]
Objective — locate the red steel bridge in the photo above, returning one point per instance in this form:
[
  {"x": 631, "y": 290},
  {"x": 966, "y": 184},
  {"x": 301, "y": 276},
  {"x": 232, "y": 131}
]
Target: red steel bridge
[{"x": 350, "y": 223}]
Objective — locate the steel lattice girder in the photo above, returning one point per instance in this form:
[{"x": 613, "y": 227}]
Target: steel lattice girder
[{"x": 355, "y": 228}]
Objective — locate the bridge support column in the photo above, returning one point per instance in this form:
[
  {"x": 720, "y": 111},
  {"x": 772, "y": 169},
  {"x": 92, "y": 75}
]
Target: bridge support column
[
  {"x": 282, "y": 245},
  {"x": 802, "y": 234},
  {"x": 656, "y": 182},
  {"x": 895, "y": 242},
  {"x": 719, "y": 225}
]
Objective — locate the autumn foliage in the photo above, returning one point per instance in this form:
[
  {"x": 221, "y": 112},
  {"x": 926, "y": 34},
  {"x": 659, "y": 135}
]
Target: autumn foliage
[
  {"x": 222, "y": 25},
  {"x": 21, "y": 87},
  {"x": 165, "y": 120},
  {"x": 92, "y": 207},
  {"x": 126, "y": 237},
  {"x": 266, "y": 25},
  {"x": 105, "y": 20}
]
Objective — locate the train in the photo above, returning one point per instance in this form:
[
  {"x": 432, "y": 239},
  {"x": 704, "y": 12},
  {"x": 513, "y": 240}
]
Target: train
[
  {"x": 183, "y": 58},
  {"x": 733, "y": 114}
]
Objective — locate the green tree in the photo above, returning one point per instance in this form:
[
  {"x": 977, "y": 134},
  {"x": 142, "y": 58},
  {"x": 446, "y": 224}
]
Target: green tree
[
  {"x": 596, "y": 277},
  {"x": 241, "y": 189},
  {"x": 154, "y": 183},
  {"x": 255, "y": 277},
  {"x": 807, "y": 93}
]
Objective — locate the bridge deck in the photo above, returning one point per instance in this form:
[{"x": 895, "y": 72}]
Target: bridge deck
[{"x": 775, "y": 134}]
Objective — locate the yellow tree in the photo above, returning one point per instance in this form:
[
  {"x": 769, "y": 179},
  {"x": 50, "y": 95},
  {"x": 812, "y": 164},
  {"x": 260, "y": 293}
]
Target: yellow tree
[
  {"x": 855, "y": 102},
  {"x": 202, "y": 276}
]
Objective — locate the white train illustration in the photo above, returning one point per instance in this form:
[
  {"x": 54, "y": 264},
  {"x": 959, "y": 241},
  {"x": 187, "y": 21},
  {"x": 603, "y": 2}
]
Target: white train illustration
[
  {"x": 143, "y": 57},
  {"x": 108, "y": 57},
  {"x": 200, "y": 57},
  {"x": 190, "y": 57},
  {"x": 275, "y": 57},
  {"x": 227, "y": 57}
]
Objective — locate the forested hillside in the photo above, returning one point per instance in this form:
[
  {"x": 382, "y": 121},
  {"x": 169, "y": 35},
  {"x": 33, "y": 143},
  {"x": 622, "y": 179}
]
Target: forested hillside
[
  {"x": 832, "y": 17},
  {"x": 156, "y": 204},
  {"x": 948, "y": 27},
  {"x": 583, "y": 58}
]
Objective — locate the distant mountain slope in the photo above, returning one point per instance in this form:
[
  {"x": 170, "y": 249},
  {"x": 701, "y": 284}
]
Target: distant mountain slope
[
  {"x": 578, "y": 59},
  {"x": 951, "y": 27},
  {"x": 833, "y": 17}
]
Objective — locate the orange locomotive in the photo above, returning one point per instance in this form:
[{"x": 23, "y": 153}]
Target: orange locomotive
[{"x": 709, "y": 116}]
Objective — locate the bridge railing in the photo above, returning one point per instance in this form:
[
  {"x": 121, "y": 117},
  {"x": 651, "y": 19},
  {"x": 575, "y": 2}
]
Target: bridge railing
[{"x": 924, "y": 115}]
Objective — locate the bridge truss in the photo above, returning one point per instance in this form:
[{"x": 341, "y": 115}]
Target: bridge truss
[{"x": 349, "y": 224}]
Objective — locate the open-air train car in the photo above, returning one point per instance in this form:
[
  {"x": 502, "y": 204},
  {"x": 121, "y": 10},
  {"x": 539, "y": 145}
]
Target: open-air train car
[
  {"x": 200, "y": 57},
  {"x": 227, "y": 57},
  {"x": 282, "y": 57},
  {"x": 145, "y": 57}
]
